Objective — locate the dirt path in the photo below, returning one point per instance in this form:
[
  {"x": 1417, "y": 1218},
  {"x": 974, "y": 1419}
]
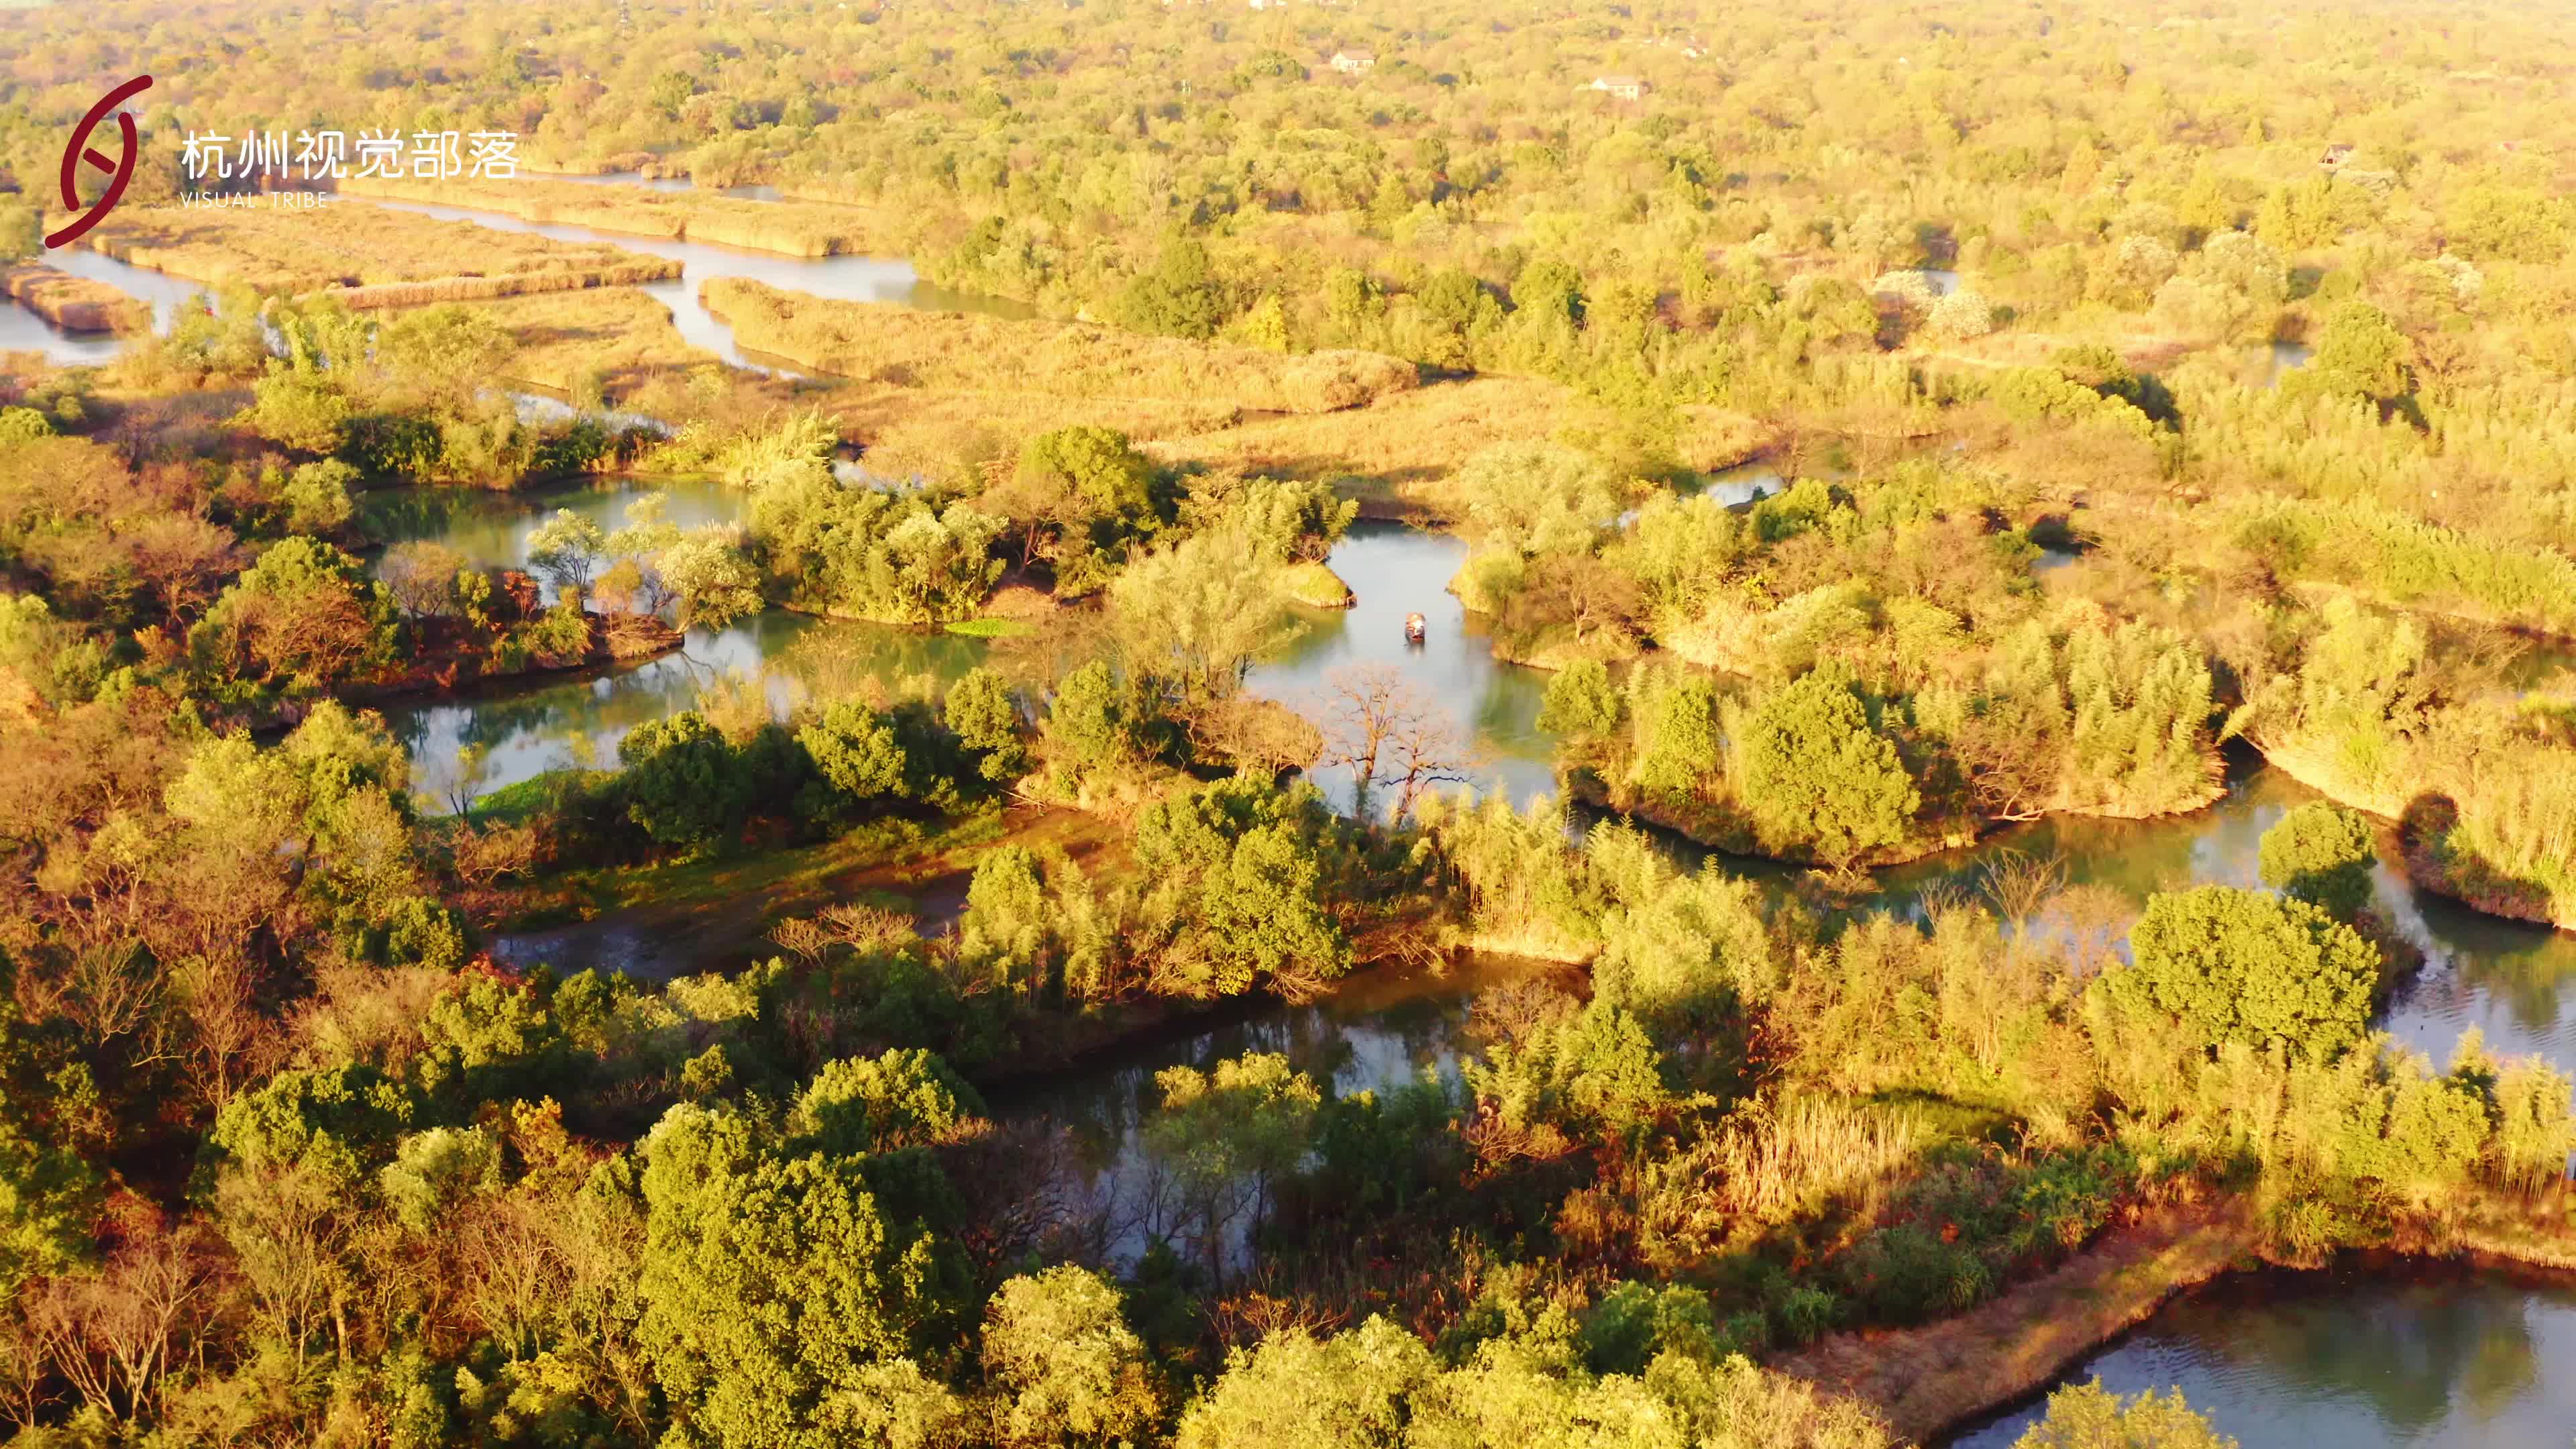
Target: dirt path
[{"x": 1925, "y": 1380}]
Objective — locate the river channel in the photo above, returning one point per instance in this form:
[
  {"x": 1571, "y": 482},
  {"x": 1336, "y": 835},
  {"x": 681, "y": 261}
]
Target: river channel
[{"x": 843, "y": 278}]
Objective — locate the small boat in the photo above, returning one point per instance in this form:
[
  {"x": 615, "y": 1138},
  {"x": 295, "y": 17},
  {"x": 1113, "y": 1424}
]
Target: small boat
[{"x": 1414, "y": 627}]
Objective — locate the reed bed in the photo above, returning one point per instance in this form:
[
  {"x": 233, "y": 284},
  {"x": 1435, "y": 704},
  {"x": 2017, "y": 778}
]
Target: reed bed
[
  {"x": 1409, "y": 442},
  {"x": 75, "y": 304},
  {"x": 790, "y": 228},
  {"x": 615, "y": 337},
  {"x": 352, "y": 247},
  {"x": 958, "y": 352}
]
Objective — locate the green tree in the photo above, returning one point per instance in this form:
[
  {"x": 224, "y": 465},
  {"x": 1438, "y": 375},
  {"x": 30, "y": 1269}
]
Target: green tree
[
  {"x": 2361, "y": 355},
  {"x": 1179, "y": 296},
  {"x": 1537, "y": 497},
  {"x": 1580, "y": 702},
  {"x": 862, "y": 1105},
  {"x": 2089, "y": 1416},
  {"x": 2322, "y": 853},
  {"x": 1085, "y": 720},
  {"x": 713, "y": 580},
  {"x": 1817, "y": 777},
  {"x": 567, "y": 549},
  {"x": 47, "y": 1197},
  {"x": 1066, "y": 1365},
  {"x": 450, "y": 350},
  {"x": 985, "y": 717},
  {"x": 857, "y": 752},
  {"x": 1236, "y": 870},
  {"x": 2245, "y": 966},
  {"x": 683, "y": 783},
  {"x": 772, "y": 1283},
  {"x": 317, "y": 496},
  {"x": 1107, "y": 483},
  {"x": 1227, "y": 1135},
  {"x": 1350, "y": 1391}
]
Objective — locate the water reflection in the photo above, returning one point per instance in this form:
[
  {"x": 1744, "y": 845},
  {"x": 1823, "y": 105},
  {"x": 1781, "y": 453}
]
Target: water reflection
[
  {"x": 2283, "y": 359},
  {"x": 2362, "y": 1355},
  {"x": 1393, "y": 571},
  {"x": 491, "y": 528},
  {"x": 1383, "y": 1030},
  {"x": 523, "y": 729},
  {"x": 2509, "y": 979}
]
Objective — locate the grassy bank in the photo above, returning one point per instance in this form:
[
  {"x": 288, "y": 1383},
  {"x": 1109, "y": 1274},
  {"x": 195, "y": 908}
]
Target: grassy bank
[
  {"x": 1397, "y": 455},
  {"x": 616, "y": 337},
  {"x": 1926, "y": 1381},
  {"x": 958, "y": 352},
  {"x": 373, "y": 256},
  {"x": 75, "y": 304},
  {"x": 2437, "y": 839},
  {"x": 790, "y": 228}
]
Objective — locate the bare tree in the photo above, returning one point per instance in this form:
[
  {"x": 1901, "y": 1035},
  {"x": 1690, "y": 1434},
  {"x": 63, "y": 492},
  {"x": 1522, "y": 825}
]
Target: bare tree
[
  {"x": 180, "y": 557},
  {"x": 1380, "y": 727},
  {"x": 115, "y": 1336},
  {"x": 1429, "y": 750}
]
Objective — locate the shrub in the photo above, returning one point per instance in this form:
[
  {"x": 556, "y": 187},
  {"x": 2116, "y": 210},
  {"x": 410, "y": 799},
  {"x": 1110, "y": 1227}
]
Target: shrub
[
  {"x": 2321, "y": 853},
  {"x": 2242, "y": 966}
]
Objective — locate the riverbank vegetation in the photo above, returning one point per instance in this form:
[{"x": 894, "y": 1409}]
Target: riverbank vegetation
[
  {"x": 2120, "y": 398},
  {"x": 885, "y": 343}
]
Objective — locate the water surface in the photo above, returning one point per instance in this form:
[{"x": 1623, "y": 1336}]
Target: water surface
[
  {"x": 524, "y": 728},
  {"x": 2355, "y": 1357}
]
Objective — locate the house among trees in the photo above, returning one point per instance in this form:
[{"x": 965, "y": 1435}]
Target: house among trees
[
  {"x": 2335, "y": 155},
  {"x": 1624, "y": 87},
  {"x": 1353, "y": 62}
]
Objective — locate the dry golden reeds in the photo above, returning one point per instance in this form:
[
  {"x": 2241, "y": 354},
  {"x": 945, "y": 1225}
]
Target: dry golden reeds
[
  {"x": 950, "y": 351},
  {"x": 75, "y": 304}
]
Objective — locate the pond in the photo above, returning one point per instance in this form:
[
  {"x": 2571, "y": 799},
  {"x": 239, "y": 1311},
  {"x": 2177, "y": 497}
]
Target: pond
[
  {"x": 2284, "y": 358},
  {"x": 520, "y": 729},
  {"x": 2353, "y": 1357},
  {"x": 1492, "y": 707}
]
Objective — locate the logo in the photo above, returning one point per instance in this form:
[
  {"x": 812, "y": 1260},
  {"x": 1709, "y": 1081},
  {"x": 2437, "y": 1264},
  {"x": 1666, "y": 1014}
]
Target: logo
[{"x": 81, "y": 150}]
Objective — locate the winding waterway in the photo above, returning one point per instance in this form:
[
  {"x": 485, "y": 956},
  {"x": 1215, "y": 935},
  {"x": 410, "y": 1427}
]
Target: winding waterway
[
  {"x": 2365, "y": 1355},
  {"x": 2508, "y": 980}
]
